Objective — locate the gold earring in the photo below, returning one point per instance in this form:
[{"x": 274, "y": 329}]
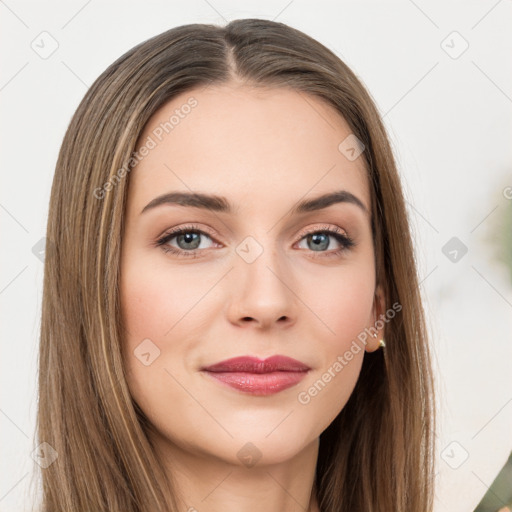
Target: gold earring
[{"x": 381, "y": 342}]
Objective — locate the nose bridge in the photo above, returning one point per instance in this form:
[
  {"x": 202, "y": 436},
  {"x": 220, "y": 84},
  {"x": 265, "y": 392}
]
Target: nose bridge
[
  {"x": 261, "y": 280},
  {"x": 260, "y": 260}
]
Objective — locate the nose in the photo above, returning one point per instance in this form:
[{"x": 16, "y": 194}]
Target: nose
[{"x": 262, "y": 292}]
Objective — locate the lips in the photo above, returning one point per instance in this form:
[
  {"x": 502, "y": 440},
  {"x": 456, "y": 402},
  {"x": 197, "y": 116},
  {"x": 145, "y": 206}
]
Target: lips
[
  {"x": 256, "y": 376},
  {"x": 254, "y": 365}
]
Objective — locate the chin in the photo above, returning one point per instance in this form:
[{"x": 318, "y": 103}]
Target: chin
[{"x": 257, "y": 448}]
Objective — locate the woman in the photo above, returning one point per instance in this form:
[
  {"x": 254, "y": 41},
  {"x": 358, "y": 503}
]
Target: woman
[{"x": 230, "y": 250}]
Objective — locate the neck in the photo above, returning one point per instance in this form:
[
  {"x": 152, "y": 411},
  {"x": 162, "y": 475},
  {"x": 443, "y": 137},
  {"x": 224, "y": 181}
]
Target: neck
[{"x": 206, "y": 483}]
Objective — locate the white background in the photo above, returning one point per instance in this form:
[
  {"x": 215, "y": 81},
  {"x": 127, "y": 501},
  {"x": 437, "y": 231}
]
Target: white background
[{"x": 450, "y": 123}]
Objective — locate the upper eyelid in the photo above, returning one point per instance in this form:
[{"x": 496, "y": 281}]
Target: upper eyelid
[{"x": 171, "y": 233}]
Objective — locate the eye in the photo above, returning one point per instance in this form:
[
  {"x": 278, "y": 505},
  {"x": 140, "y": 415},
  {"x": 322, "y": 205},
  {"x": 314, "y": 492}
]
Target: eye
[
  {"x": 320, "y": 240},
  {"x": 188, "y": 239}
]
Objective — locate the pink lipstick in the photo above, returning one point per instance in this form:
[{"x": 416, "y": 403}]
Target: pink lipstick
[{"x": 256, "y": 376}]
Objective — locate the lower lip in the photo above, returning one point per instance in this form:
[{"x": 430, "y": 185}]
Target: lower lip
[{"x": 259, "y": 383}]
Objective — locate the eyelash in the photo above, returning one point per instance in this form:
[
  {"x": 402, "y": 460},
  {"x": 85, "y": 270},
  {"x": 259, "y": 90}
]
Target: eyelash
[{"x": 345, "y": 241}]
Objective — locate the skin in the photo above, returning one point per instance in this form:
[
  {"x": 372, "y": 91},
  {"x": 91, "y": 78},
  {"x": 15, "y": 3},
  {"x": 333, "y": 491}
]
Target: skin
[{"x": 264, "y": 150}]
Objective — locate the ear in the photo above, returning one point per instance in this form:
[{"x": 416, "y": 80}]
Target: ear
[{"x": 377, "y": 325}]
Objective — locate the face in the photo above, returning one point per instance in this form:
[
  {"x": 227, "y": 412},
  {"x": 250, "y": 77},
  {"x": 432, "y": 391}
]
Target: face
[{"x": 249, "y": 273}]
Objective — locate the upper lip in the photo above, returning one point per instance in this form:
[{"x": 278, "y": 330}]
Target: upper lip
[{"x": 249, "y": 364}]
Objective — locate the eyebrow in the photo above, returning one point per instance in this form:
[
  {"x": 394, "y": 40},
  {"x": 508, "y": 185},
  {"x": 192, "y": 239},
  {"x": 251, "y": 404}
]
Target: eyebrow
[{"x": 221, "y": 204}]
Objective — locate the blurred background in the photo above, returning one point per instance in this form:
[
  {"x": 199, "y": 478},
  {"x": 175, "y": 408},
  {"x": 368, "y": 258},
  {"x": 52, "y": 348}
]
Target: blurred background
[{"x": 440, "y": 74}]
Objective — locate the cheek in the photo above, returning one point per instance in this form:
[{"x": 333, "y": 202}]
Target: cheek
[
  {"x": 158, "y": 308},
  {"x": 344, "y": 307},
  {"x": 150, "y": 307},
  {"x": 350, "y": 312},
  {"x": 343, "y": 303},
  {"x": 153, "y": 300},
  {"x": 143, "y": 306}
]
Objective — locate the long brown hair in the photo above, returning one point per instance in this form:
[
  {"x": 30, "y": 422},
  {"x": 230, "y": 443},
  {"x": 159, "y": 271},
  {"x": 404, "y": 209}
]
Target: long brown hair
[{"x": 378, "y": 453}]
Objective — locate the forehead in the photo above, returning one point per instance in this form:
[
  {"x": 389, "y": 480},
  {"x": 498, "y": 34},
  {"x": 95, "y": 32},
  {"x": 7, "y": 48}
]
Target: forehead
[{"x": 251, "y": 144}]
